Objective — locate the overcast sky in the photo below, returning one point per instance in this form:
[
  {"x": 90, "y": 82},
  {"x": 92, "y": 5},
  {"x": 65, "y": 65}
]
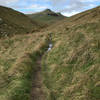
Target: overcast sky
[{"x": 66, "y": 7}]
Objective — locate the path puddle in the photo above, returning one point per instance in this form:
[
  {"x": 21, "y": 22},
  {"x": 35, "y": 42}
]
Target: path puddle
[{"x": 50, "y": 47}]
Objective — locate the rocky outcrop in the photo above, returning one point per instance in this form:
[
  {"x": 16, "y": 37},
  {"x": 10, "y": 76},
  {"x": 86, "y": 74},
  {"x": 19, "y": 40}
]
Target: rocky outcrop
[{"x": 52, "y": 14}]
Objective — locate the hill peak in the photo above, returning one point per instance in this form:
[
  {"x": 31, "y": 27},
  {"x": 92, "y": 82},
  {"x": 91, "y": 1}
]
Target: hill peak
[
  {"x": 51, "y": 13},
  {"x": 48, "y": 11}
]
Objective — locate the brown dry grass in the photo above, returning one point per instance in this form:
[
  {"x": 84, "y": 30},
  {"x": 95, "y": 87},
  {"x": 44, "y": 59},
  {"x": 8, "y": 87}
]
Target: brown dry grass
[
  {"x": 78, "y": 58},
  {"x": 17, "y": 59}
]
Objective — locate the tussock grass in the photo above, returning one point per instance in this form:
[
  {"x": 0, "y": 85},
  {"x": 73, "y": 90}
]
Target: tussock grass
[
  {"x": 18, "y": 64},
  {"x": 71, "y": 68}
]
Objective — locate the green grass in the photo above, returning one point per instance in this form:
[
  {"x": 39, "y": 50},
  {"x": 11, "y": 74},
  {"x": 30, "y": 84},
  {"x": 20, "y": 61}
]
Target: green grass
[
  {"x": 23, "y": 90},
  {"x": 21, "y": 24},
  {"x": 42, "y": 18},
  {"x": 72, "y": 65},
  {"x": 71, "y": 69},
  {"x": 6, "y": 63},
  {"x": 17, "y": 68}
]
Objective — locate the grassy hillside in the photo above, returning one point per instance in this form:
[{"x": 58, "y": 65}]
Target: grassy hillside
[
  {"x": 72, "y": 68},
  {"x": 46, "y": 17},
  {"x": 18, "y": 56},
  {"x": 14, "y": 22}
]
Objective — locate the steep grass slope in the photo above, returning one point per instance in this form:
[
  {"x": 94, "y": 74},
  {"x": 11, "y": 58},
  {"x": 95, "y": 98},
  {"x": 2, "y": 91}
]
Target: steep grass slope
[
  {"x": 14, "y": 22},
  {"x": 46, "y": 17},
  {"x": 72, "y": 68},
  {"x": 18, "y": 57}
]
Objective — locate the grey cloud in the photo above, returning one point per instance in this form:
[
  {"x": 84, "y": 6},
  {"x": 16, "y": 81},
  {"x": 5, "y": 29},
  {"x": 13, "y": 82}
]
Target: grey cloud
[
  {"x": 77, "y": 6},
  {"x": 7, "y": 2},
  {"x": 68, "y": 5},
  {"x": 58, "y": 2},
  {"x": 72, "y": 6}
]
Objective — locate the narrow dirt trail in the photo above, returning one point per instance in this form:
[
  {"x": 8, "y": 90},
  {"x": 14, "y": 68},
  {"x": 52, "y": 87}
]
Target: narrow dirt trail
[{"x": 37, "y": 92}]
